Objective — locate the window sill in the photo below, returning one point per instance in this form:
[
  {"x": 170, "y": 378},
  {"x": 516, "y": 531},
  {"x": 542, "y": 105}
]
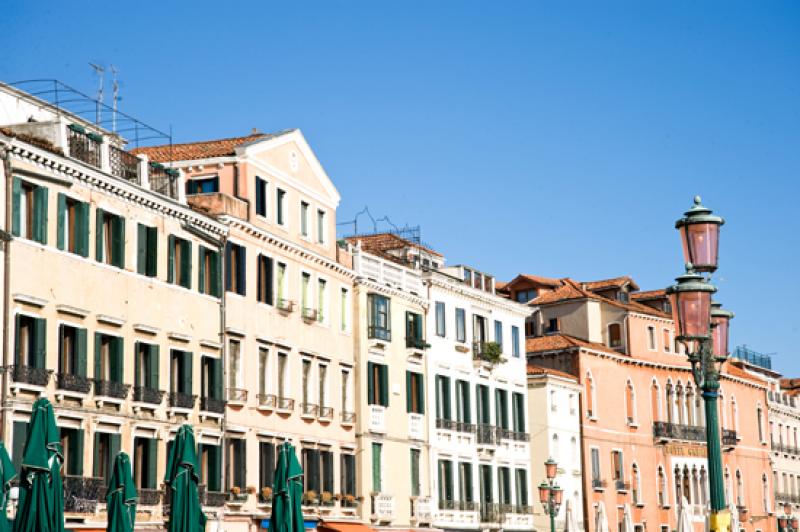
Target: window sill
[{"x": 633, "y": 425}]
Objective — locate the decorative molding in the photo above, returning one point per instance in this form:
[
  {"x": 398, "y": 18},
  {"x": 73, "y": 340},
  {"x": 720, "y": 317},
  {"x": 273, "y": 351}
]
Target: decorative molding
[
  {"x": 110, "y": 320},
  {"x": 72, "y": 311},
  {"x": 30, "y": 300},
  {"x": 452, "y": 284},
  {"x": 146, "y": 329},
  {"x": 210, "y": 344},
  {"x": 179, "y": 337},
  {"x": 374, "y": 286},
  {"x": 235, "y": 332}
]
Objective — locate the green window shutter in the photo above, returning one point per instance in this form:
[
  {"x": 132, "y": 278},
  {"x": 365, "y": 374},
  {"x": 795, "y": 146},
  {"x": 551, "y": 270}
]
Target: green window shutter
[
  {"x": 214, "y": 468},
  {"x": 80, "y": 362},
  {"x": 118, "y": 241},
  {"x": 409, "y": 390},
  {"x": 370, "y": 383},
  {"x": 186, "y": 385},
  {"x": 76, "y": 456},
  {"x": 201, "y": 269},
  {"x": 384, "y": 375},
  {"x": 420, "y": 393},
  {"x": 153, "y": 368},
  {"x": 152, "y": 464},
  {"x": 216, "y": 287},
  {"x": 376, "y": 467},
  {"x": 418, "y": 326},
  {"x": 98, "y": 235},
  {"x": 242, "y": 273},
  {"x": 152, "y": 251},
  {"x": 82, "y": 228},
  {"x": 61, "y": 221},
  {"x": 114, "y": 441},
  {"x": 19, "y": 435},
  {"x": 40, "y": 215},
  {"x": 446, "y": 405},
  {"x": 170, "y": 259},
  {"x": 141, "y": 249},
  {"x": 16, "y": 195},
  {"x": 117, "y": 368},
  {"x": 40, "y": 349},
  {"x": 216, "y": 378},
  {"x": 186, "y": 263},
  {"x": 17, "y": 345},
  {"x": 438, "y": 397},
  {"x": 467, "y": 405},
  {"x": 96, "y": 455},
  {"x": 98, "y": 343},
  {"x": 138, "y": 371}
]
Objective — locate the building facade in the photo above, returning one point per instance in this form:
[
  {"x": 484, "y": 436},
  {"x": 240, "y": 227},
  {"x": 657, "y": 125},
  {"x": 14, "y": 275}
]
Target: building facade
[{"x": 642, "y": 417}]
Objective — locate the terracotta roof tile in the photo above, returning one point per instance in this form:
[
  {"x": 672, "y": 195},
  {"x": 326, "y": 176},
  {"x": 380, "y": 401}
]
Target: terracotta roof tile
[
  {"x": 616, "y": 282},
  {"x": 204, "y": 149},
  {"x": 534, "y": 369},
  {"x": 538, "y": 279},
  {"x": 386, "y": 242},
  {"x": 30, "y": 139},
  {"x": 649, "y": 294},
  {"x": 573, "y": 290},
  {"x": 557, "y": 342}
]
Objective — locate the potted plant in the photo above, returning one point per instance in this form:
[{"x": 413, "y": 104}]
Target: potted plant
[
  {"x": 310, "y": 497},
  {"x": 251, "y": 490},
  {"x": 266, "y": 494},
  {"x": 492, "y": 353},
  {"x": 349, "y": 499},
  {"x": 327, "y": 498},
  {"x": 237, "y": 496}
]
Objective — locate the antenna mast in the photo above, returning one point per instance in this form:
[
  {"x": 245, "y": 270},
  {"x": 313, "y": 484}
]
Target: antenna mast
[
  {"x": 116, "y": 98},
  {"x": 99, "y": 71}
]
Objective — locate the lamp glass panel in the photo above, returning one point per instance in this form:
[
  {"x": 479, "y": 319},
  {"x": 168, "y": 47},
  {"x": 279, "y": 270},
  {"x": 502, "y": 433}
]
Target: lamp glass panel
[
  {"x": 694, "y": 313},
  {"x": 700, "y": 245},
  {"x": 719, "y": 336}
]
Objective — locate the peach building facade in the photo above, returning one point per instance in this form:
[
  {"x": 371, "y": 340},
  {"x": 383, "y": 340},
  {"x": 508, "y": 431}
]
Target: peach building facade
[{"x": 642, "y": 419}]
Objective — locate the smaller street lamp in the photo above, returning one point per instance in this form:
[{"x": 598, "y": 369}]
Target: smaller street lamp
[
  {"x": 720, "y": 321},
  {"x": 787, "y": 522},
  {"x": 550, "y": 494},
  {"x": 699, "y": 230}
]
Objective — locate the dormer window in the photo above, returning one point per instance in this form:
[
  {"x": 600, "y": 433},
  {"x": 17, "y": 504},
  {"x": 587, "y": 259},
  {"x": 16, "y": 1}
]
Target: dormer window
[
  {"x": 523, "y": 296},
  {"x": 615, "y": 335},
  {"x": 623, "y": 296},
  {"x": 553, "y": 326},
  {"x": 467, "y": 276}
]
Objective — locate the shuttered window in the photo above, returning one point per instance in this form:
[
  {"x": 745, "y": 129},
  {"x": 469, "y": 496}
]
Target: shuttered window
[
  {"x": 30, "y": 346},
  {"x": 518, "y": 405},
  {"x": 415, "y": 393},
  {"x": 265, "y": 280},
  {"x": 326, "y": 463},
  {"x": 106, "y": 447},
  {"x": 348, "y": 474},
  {"x": 147, "y": 250},
  {"x": 211, "y": 384},
  {"x": 377, "y": 384},
  {"x": 377, "y": 469},
  {"x": 311, "y": 470},
  {"x": 237, "y": 463},
  {"x": 145, "y": 463},
  {"x": 181, "y": 371},
  {"x": 19, "y": 435},
  {"x": 211, "y": 466},
  {"x": 108, "y": 358},
  {"x": 179, "y": 261},
  {"x": 71, "y": 350},
  {"x": 443, "y": 410},
  {"x": 465, "y": 482},
  {"x": 504, "y": 484},
  {"x": 266, "y": 465},
  {"x": 261, "y": 197},
  {"x": 235, "y": 268},
  {"x": 147, "y": 365},
  {"x": 110, "y": 238},
  {"x": 72, "y": 446},
  {"x": 208, "y": 271},
  {"x": 482, "y": 397},
  {"x": 446, "y": 492},
  {"x": 463, "y": 413},
  {"x": 501, "y": 408},
  {"x": 73, "y": 225},
  {"x": 522, "y": 487},
  {"x": 29, "y": 211}
]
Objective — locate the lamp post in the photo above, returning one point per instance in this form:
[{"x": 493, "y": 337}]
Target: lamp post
[
  {"x": 550, "y": 493},
  {"x": 787, "y": 522},
  {"x": 703, "y": 328}
]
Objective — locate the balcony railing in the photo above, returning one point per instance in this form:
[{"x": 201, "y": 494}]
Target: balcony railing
[
  {"x": 181, "y": 400},
  {"x": 286, "y": 404},
  {"x": 466, "y": 428},
  {"x": 787, "y": 497},
  {"x": 674, "y": 431},
  {"x": 447, "y": 505},
  {"x": 486, "y": 434},
  {"x": 123, "y": 164},
  {"x": 284, "y": 305},
  {"x": 490, "y": 512},
  {"x": 621, "y": 485},
  {"x": 446, "y": 424},
  {"x": 416, "y": 343},
  {"x": 209, "y": 404},
  {"x": 348, "y": 417},
  {"x": 73, "y": 383},
  {"x": 116, "y": 390},
  {"x": 785, "y": 448},
  {"x": 237, "y": 395},
  {"x": 326, "y": 412},
  {"x": 309, "y": 314},
  {"x": 505, "y": 434},
  {"x": 599, "y": 483},
  {"x": 164, "y": 180},
  {"x": 214, "y": 499},
  {"x": 83, "y": 146},
  {"x": 149, "y": 497},
  {"x": 729, "y": 438},
  {"x": 520, "y": 436},
  {"x": 267, "y": 400},
  {"x": 143, "y": 394},
  {"x": 30, "y": 375},
  {"x": 379, "y": 333},
  {"x": 81, "y": 494},
  {"x": 309, "y": 409},
  {"x": 523, "y": 509}
]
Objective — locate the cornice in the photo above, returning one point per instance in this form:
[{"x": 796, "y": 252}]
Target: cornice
[
  {"x": 393, "y": 292},
  {"x": 479, "y": 295}
]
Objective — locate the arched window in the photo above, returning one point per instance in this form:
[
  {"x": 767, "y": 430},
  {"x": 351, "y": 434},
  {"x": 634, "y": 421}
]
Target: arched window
[
  {"x": 687, "y": 487},
  {"x": 678, "y": 493},
  {"x": 636, "y": 488},
  {"x": 728, "y": 486},
  {"x": 765, "y": 493},
  {"x": 630, "y": 403},
  {"x": 655, "y": 400},
  {"x": 661, "y": 486},
  {"x": 590, "y": 396},
  {"x": 734, "y": 414},
  {"x": 760, "y": 422},
  {"x": 723, "y": 422},
  {"x": 780, "y": 434},
  {"x": 614, "y": 335},
  {"x": 680, "y": 416},
  {"x": 554, "y": 448},
  {"x": 695, "y": 486},
  {"x": 670, "y": 413},
  {"x": 700, "y": 408},
  {"x": 691, "y": 417},
  {"x": 703, "y": 486},
  {"x": 739, "y": 489}
]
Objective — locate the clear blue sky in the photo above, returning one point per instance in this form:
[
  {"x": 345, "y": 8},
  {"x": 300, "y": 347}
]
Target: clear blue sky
[{"x": 552, "y": 138}]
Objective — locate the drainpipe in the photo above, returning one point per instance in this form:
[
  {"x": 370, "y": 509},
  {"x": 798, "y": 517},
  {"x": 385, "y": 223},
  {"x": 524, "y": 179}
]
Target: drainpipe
[
  {"x": 6, "y": 238},
  {"x": 223, "y": 352}
]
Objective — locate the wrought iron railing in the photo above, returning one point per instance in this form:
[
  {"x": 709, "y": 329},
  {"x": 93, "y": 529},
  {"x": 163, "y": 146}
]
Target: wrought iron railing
[
  {"x": 123, "y": 164},
  {"x": 143, "y": 394},
  {"x": 348, "y": 417},
  {"x": 237, "y": 395},
  {"x": 309, "y": 314},
  {"x": 81, "y": 494},
  {"x": 462, "y": 426},
  {"x": 113, "y": 389},
  {"x": 505, "y": 434},
  {"x": 83, "y": 146},
  {"x": 486, "y": 434},
  {"x": 621, "y": 485},
  {"x": 326, "y": 412},
  {"x": 599, "y": 483},
  {"x": 520, "y": 436},
  {"x": 489, "y": 512},
  {"x": 309, "y": 409},
  {"x": 30, "y": 375},
  {"x": 73, "y": 383},
  {"x": 214, "y": 499},
  {"x": 285, "y": 403},
  {"x": 209, "y": 404},
  {"x": 285, "y": 305},
  {"x": 446, "y": 424},
  {"x": 467, "y": 506},
  {"x": 445, "y": 504},
  {"x": 267, "y": 399},
  {"x": 379, "y": 333},
  {"x": 416, "y": 343},
  {"x": 663, "y": 429},
  {"x": 729, "y": 437},
  {"x": 181, "y": 400},
  {"x": 149, "y": 497},
  {"x": 164, "y": 180},
  {"x": 524, "y": 509}
]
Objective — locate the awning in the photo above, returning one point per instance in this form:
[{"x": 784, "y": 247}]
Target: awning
[
  {"x": 343, "y": 526},
  {"x": 308, "y": 524}
]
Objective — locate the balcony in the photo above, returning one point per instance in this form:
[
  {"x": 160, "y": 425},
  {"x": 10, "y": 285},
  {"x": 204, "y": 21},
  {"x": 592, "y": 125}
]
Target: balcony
[
  {"x": 416, "y": 343},
  {"x": 30, "y": 375},
  {"x": 421, "y": 510},
  {"x": 143, "y": 394},
  {"x": 285, "y": 404},
  {"x": 446, "y": 424},
  {"x": 377, "y": 418},
  {"x": 382, "y": 507},
  {"x": 182, "y": 400},
  {"x": 326, "y": 413},
  {"x": 309, "y": 314},
  {"x": 672, "y": 431},
  {"x": 285, "y": 305},
  {"x": 465, "y": 428},
  {"x": 214, "y": 499},
  {"x": 164, "y": 180},
  {"x": 112, "y": 389},
  {"x": 215, "y": 406},
  {"x": 599, "y": 484},
  {"x": 621, "y": 485},
  {"x": 81, "y": 494},
  {"x": 387, "y": 273},
  {"x": 486, "y": 434},
  {"x": 348, "y": 418},
  {"x": 309, "y": 410},
  {"x": 149, "y": 497},
  {"x": 375, "y": 332},
  {"x": 267, "y": 401},
  {"x": 488, "y": 352},
  {"x": 445, "y": 504},
  {"x": 504, "y": 434},
  {"x": 490, "y": 512},
  {"x": 729, "y": 438},
  {"x": 784, "y": 497},
  {"x": 123, "y": 164},
  {"x": 416, "y": 426},
  {"x": 218, "y": 203},
  {"x": 73, "y": 383},
  {"x": 84, "y": 146},
  {"x": 520, "y": 436},
  {"x": 236, "y": 396}
]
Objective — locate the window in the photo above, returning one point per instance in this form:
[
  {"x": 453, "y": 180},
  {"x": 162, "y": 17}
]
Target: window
[
  {"x": 321, "y": 226},
  {"x": 414, "y": 334},
  {"x": 443, "y": 397},
  {"x": 72, "y": 446},
  {"x": 377, "y": 384},
  {"x": 235, "y": 370},
  {"x": 461, "y": 325},
  {"x": 739, "y": 489},
  {"x": 29, "y": 218},
  {"x": 322, "y": 388},
  {"x": 377, "y": 469},
  {"x": 108, "y": 358},
  {"x": 636, "y": 486},
  {"x": 348, "y": 475},
  {"x": 326, "y": 464},
  {"x": 208, "y": 271},
  {"x": 482, "y": 404},
  {"x": 263, "y": 372},
  {"x": 30, "y": 349},
  {"x": 415, "y": 393},
  {"x": 379, "y": 322},
  {"x": 211, "y": 384},
  {"x": 501, "y": 408},
  {"x": 479, "y": 326},
  {"x": 322, "y": 300},
  {"x": 261, "y": 197},
  {"x": 283, "y": 360},
  {"x": 662, "y": 487},
  {"x": 210, "y": 458},
  {"x": 617, "y": 471},
  {"x": 346, "y": 390},
  {"x": 486, "y": 483},
  {"x": 181, "y": 372},
  {"x": 106, "y": 447},
  {"x": 765, "y": 495},
  {"x": 518, "y": 411},
  {"x": 145, "y": 371},
  {"x": 306, "y": 381},
  {"x": 344, "y": 309},
  {"x": 235, "y": 268},
  {"x": 110, "y": 239},
  {"x": 445, "y": 469},
  {"x": 145, "y": 463},
  {"x": 305, "y": 281},
  {"x": 415, "y": 482},
  {"x": 651, "y": 338},
  {"x": 280, "y": 207},
  {"x": 465, "y": 491},
  {"x": 304, "y": 218},
  {"x": 147, "y": 250},
  {"x": 552, "y": 326},
  {"x": 590, "y": 396},
  {"x": 595, "y": 453},
  {"x": 440, "y": 319},
  {"x": 630, "y": 403},
  {"x": 264, "y": 280},
  {"x": 202, "y": 185},
  {"x": 463, "y": 414},
  {"x": 667, "y": 340},
  {"x": 523, "y": 296},
  {"x": 504, "y": 484},
  {"x": 311, "y": 471},
  {"x": 73, "y": 225},
  {"x": 266, "y": 466},
  {"x": 498, "y": 333},
  {"x": 614, "y": 335},
  {"x": 280, "y": 283},
  {"x": 71, "y": 354},
  {"x": 760, "y": 422},
  {"x": 237, "y": 463},
  {"x": 19, "y": 435},
  {"x": 521, "y": 477},
  {"x": 179, "y": 261},
  {"x": 515, "y": 341}
]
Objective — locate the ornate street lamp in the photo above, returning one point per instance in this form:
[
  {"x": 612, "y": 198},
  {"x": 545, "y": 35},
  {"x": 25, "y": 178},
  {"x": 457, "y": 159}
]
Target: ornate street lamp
[
  {"x": 703, "y": 328},
  {"x": 787, "y": 522},
  {"x": 550, "y": 494}
]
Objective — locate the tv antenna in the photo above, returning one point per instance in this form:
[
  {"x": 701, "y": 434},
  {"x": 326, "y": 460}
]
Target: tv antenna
[
  {"x": 99, "y": 71},
  {"x": 115, "y": 97}
]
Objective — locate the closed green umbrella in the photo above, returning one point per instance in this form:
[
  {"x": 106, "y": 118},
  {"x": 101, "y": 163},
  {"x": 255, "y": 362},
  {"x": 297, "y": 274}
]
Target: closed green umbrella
[
  {"x": 7, "y": 474},
  {"x": 185, "y": 513},
  {"x": 41, "y": 494},
  {"x": 287, "y": 493},
  {"x": 121, "y": 496}
]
